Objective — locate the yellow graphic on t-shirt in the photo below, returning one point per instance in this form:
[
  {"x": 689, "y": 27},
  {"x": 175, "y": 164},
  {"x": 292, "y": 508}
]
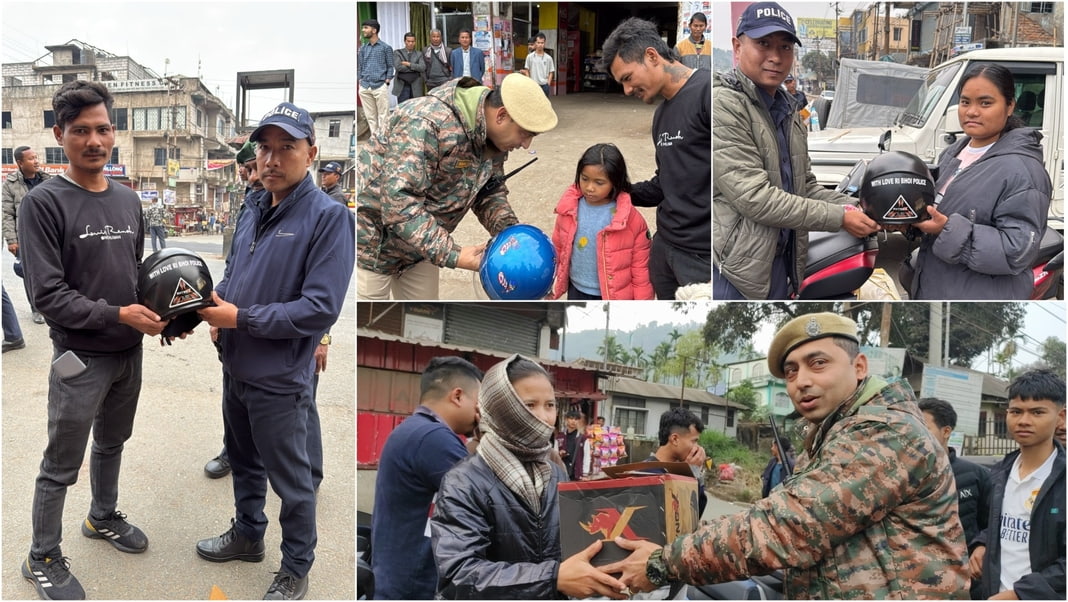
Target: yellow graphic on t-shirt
[
  {"x": 582, "y": 242},
  {"x": 1029, "y": 504}
]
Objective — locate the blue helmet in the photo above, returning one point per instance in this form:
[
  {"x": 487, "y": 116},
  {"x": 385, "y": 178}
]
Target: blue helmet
[{"x": 518, "y": 264}]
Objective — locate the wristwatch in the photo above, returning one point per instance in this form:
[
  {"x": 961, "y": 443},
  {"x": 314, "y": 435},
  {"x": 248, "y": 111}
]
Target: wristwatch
[
  {"x": 325, "y": 340},
  {"x": 655, "y": 569}
]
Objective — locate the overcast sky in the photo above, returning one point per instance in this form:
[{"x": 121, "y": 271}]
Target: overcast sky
[
  {"x": 1043, "y": 320},
  {"x": 317, "y": 40}
]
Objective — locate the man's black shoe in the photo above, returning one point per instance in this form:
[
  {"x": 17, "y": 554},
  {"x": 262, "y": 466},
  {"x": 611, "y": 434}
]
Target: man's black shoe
[
  {"x": 217, "y": 467},
  {"x": 52, "y": 579},
  {"x": 287, "y": 587},
  {"x": 230, "y": 546},
  {"x": 38, "y": 318},
  {"x": 13, "y": 345}
]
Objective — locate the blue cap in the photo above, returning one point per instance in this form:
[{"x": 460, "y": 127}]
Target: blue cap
[
  {"x": 332, "y": 167},
  {"x": 294, "y": 120},
  {"x": 764, "y": 18}
]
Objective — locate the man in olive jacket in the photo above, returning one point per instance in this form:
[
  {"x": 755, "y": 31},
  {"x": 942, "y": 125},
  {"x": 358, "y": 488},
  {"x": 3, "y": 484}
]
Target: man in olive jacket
[{"x": 764, "y": 205}]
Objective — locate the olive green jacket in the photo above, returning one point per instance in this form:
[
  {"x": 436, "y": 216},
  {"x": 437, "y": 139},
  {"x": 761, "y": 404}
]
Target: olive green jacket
[{"x": 749, "y": 204}]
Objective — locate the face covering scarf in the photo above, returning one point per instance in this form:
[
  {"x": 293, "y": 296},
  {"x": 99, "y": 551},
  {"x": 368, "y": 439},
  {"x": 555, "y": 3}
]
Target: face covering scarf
[{"x": 514, "y": 444}]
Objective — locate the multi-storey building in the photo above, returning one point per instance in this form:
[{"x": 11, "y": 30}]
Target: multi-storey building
[{"x": 171, "y": 132}]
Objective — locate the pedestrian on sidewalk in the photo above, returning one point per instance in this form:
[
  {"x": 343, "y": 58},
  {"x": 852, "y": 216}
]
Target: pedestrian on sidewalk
[
  {"x": 12, "y": 333},
  {"x": 375, "y": 68},
  {"x": 15, "y": 187}
]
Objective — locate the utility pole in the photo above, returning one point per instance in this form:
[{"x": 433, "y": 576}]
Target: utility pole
[
  {"x": 885, "y": 324},
  {"x": 934, "y": 335}
]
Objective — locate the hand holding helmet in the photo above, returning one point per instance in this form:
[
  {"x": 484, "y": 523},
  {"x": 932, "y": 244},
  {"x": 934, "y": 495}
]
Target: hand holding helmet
[
  {"x": 173, "y": 283},
  {"x": 518, "y": 264},
  {"x": 897, "y": 189}
]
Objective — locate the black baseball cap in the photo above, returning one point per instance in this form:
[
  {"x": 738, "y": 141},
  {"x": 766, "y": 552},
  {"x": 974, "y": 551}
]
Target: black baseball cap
[
  {"x": 764, "y": 18},
  {"x": 332, "y": 167}
]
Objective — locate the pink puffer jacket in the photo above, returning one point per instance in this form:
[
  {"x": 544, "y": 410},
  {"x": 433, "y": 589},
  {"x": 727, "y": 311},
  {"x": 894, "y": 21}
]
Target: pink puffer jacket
[{"x": 622, "y": 249}]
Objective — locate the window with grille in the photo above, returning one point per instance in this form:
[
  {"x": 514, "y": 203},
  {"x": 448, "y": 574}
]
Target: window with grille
[
  {"x": 121, "y": 122},
  {"x": 114, "y": 155},
  {"x": 630, "y": 420},
  {"x": 8, "y": 156},
  {"x": 6, "y": 119},
  {"x": 159, "y": 156},
  {"x": 335, "y": 128},
  {"x": 54, "y": 155},
  {"x": 1042, "y": 7}
]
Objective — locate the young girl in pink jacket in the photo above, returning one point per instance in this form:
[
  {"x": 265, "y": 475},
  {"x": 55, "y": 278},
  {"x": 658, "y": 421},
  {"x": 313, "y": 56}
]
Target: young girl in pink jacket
[{"x": 602, "y": 243}]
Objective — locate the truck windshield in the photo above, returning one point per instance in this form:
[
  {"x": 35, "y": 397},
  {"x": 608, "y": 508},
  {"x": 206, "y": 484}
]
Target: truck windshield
[{"x": 923, "y": 103}]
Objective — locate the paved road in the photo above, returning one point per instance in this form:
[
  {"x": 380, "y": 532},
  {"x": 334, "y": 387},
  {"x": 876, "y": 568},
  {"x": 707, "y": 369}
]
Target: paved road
[{"x": 163, "y": 488}]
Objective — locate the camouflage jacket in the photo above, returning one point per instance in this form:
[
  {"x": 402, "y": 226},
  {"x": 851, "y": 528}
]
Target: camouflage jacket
[
  {"x": 870, "y": 512},
  {"x": 421, "y": 177}
]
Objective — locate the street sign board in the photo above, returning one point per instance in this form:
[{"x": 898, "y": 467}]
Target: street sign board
[{"x": 961, "y": 388}]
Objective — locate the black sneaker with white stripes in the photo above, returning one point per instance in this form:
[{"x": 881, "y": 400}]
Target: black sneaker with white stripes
[
  {"x": 52, "y": 578},
  {"x": 116, "y": 531}
]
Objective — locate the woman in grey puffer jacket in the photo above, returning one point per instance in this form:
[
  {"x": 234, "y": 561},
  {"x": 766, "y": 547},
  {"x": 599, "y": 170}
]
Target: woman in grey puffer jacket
[{"x": 995, "y": 193}]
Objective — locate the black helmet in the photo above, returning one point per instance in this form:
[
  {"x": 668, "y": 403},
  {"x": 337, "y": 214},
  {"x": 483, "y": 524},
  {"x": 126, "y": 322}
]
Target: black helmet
[
  {"x": 174, "y": 282},
  {"x": 897, "y": 188}
]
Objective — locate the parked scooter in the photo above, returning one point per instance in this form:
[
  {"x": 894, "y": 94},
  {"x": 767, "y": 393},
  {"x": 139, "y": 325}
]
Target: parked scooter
[
  {"x": 762, "y": 587},
  {"x": 365, "y": 577},
  {"x": 839, "y": 263}
]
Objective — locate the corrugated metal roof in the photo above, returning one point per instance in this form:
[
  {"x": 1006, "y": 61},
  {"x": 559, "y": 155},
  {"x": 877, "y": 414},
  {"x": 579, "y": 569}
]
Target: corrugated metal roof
[{"x": 632, "y": 386}]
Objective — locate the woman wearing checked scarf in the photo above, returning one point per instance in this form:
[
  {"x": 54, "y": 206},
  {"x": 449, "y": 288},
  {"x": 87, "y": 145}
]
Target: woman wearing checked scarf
[{"x": 496, "y": 524}]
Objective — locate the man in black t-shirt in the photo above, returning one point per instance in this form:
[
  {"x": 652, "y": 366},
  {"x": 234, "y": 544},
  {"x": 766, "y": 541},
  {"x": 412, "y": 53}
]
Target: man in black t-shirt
[{"x": 681, "y": 190}]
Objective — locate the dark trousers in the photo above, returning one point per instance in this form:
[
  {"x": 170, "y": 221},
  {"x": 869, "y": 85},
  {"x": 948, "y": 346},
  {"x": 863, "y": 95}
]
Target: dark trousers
[
  {"x": 574, "y": 294},
  {"x": 103, "y": 399},
  {"x": 266, "y": 438},
  {"x": 671, "y": 267},
  {"x": 12, "y": 332},
  {"x": 723, "y": 290},
  {"x": 315, "y": 439},
  {"x": 406, "y": 93}
]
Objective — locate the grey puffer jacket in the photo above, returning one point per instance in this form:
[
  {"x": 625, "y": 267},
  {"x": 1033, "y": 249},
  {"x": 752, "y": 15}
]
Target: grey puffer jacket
[
  {"x": 750, "y": 205},
  {"x": 488, "y": 544},
  {"x": 14, "y": 188},
  {"x": 997, "y": 211}
]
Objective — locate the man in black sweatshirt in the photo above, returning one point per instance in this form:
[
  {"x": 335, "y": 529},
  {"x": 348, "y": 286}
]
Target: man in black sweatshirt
[
  {"x": 84, "y": 237},
  {"x": 681, "y": 190}
]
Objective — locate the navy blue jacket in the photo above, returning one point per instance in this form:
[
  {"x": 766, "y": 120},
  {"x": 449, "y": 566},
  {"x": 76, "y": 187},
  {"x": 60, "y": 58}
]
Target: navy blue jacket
[
  {"x": 288, "y": 276},
  {"x": 416, "y": 456},
  {"x": 1047, "y": 544}
]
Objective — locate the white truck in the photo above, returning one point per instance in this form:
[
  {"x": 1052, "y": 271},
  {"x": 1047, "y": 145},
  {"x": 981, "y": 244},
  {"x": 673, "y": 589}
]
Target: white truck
[{"x": 929, "y": 123}]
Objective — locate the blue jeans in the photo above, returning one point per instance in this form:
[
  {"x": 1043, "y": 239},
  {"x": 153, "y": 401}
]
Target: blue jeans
[
  {"x": 160, "y": 233},
  {"x": 544, "y": 88},
  {"x": 266, "y": 439},
  {"x": 103, "y": 399},
  {"x": 12, "y": 332},
  {"x": 671, "y": 267}
]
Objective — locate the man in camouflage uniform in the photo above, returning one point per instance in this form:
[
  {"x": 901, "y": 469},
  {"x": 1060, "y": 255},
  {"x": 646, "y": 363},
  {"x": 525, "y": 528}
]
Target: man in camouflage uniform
[
  {"x": 421, "y": 178},
  {"x": 870, "y": 510}
]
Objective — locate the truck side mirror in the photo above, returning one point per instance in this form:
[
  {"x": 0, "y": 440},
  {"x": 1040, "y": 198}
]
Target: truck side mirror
[{"x": 884, "y": 141}]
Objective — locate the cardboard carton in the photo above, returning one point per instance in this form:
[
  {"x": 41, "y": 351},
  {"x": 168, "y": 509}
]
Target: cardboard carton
[{"x": 654, "y": 501}]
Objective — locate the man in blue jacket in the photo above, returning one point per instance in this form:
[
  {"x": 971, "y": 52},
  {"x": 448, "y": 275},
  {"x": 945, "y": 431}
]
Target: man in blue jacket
[
  {"x": 1020, "y": 555},
  {"x": 416, "y": 456},
  {"x": 284, "y": 285},
  {"x": 466, "y": 60}
]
